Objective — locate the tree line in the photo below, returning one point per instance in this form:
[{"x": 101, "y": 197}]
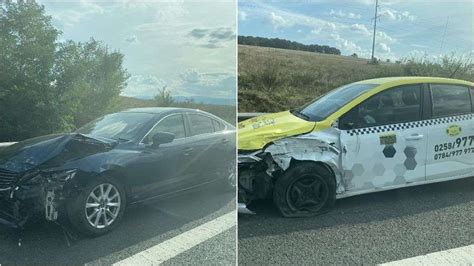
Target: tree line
[{"x": 286, "y": 44}]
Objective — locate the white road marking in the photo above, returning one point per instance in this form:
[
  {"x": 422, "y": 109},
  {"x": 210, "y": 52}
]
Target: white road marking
[
  {"x": 181, "y": 243},
  {"x": 455, "y": 256}
]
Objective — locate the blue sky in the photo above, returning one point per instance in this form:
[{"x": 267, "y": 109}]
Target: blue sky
[
  {"x": 404, "y": 29},
  {"x": 188, "y": 46}
]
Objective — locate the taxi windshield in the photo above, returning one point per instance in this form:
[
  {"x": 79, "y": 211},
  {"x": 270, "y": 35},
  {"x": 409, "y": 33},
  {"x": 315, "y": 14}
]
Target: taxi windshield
[{"x": 324, "y": 106}]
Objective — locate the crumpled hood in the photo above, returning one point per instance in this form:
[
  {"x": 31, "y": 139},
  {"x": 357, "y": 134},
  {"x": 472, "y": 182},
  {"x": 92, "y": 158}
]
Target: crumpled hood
[
  {"x": 28, "y": 154},
  {"x": 257, "y": 132}
]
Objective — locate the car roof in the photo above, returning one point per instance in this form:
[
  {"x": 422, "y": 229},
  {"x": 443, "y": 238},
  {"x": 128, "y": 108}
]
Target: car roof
[
  {"x": 411, "y": 80},
  {"x": 159, "y": 110}
]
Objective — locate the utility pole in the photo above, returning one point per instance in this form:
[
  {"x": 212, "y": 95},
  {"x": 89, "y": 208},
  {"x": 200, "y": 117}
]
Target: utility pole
[
  {"x": 375, "y": 29},
  {"x": 444, "y": 34}
]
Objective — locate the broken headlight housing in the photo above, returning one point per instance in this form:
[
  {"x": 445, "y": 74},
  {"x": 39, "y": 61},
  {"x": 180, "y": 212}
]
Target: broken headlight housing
[
  {"x": 250, "y": 157},
  {"x": 61, "y": 175}
]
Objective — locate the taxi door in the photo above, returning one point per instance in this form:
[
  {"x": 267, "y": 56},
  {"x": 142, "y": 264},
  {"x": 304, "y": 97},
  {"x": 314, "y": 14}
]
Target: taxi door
[
  {"x": 383, "y": 140},
  {"x": 451, "y": 138}
]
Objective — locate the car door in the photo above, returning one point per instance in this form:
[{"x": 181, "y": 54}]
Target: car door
[
  {"x": 204, "y": 141},
  {"x": 451, "y": 138},
  {"x": 383, "y": 141},
  {"x": 225, "y": 149},
  {"x": 163, "y": 168}
]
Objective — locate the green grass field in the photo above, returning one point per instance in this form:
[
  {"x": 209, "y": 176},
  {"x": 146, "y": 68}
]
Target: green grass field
[{"x": 272, "y": 79}]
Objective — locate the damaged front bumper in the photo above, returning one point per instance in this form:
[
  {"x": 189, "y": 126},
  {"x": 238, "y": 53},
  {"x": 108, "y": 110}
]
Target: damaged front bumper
[
  {"x": 40, "y": 196},
  {"x": 259, "y": 170},
  {"x": 256, "y": 175}
]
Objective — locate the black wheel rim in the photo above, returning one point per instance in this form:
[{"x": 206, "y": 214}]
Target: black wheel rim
[{"x": 307, "y": 193}]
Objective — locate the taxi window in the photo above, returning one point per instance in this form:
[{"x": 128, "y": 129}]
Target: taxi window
[
  {"x": 472, "y": 100},
  {"x": 450, "y": 100},
  {"x": 329, "y": 103},
  {"x": 393, "y": 106}
]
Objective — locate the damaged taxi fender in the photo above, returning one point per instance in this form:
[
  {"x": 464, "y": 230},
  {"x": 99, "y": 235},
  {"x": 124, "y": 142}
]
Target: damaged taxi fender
[{"x": 257, "y": 132}]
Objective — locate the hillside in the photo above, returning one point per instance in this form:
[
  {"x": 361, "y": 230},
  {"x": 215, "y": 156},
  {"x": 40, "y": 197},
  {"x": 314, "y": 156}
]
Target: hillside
[{"x": 272, "y": 79}]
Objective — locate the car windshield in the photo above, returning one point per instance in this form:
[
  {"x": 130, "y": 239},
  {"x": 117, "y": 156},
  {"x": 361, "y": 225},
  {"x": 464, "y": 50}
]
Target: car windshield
[
  {"x": 324, "y": 106},
  {"x": 118, "y": 126}
]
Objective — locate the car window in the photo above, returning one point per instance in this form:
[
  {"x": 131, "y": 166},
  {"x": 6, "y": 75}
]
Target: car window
[
  {"x": 171, "y": 124},
  {"x": 324, "y": 106},
  {"x": 450, "y": 100},
  {"x": 200, "y": 124},
  {"x": 393, "y": 106},
  {"x": 118, "y": 126},
  {"x": 218, "y": 126},
  {"x": 472, "y": 100}
]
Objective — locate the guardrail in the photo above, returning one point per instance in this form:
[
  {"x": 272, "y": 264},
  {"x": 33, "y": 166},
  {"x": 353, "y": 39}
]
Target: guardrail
[{"x": 244, "y": 116}]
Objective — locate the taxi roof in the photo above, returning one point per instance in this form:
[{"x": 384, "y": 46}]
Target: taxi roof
[{"x": 411, "y": 80}]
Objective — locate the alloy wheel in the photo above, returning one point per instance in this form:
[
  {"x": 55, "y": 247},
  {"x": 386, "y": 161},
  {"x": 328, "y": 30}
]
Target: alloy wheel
[{"x": 103, "y": 205}]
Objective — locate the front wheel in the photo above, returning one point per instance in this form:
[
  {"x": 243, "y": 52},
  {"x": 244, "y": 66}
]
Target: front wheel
[
  {"x": 305, "y": 189},
  {"x": 98, "y": 208}
]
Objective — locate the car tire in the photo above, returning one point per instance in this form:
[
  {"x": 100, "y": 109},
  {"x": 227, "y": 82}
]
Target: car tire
[
  {"x": 84, "y": 206},
  {"x": 306, "y": 189}
]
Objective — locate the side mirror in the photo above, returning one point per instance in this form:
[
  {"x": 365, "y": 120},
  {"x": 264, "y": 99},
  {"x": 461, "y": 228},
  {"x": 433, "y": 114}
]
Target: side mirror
[{"x": 162, "y": 138}]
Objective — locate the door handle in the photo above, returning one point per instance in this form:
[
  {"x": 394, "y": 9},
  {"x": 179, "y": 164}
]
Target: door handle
[
  {"x": 225, "y": 141},
  {"x": 187, "y": 151},
  {"x": 414, "y": 137}
]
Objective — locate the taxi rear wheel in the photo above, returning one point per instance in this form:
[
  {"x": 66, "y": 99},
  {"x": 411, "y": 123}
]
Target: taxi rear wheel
[{"x": 306, "y": 189}]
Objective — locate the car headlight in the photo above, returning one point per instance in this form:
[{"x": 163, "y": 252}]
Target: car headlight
[
  {"x": 250, "y": 157},
  {"x": 63, "y": 175}
]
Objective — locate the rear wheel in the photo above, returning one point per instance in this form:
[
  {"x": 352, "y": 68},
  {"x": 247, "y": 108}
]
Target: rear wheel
[
  {"x": 98, "y": 208},
  {"x": 305, "y": 189}
]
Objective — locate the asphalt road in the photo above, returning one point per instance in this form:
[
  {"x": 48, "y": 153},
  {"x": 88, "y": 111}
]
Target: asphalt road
[
  {"x": 143, "y": 226},
  {"x": 373, "y": 228}
]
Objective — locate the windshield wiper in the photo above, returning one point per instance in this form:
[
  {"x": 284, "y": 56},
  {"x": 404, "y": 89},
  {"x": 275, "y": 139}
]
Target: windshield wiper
[{"x": 299, "y": 114}]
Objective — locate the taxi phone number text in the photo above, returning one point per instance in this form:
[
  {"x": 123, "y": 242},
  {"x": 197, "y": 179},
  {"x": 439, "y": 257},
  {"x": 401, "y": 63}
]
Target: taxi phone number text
[{"x": 446, "y": 150}]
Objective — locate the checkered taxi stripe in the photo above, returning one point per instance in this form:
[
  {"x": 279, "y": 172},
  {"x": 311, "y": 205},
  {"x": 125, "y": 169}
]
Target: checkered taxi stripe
[{"x": 401, "y": 126}]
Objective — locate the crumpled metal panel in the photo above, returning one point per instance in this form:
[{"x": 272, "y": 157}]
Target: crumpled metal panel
[
  {"x": 323, "y": 146},
  {"x": 257, "y": 132}
]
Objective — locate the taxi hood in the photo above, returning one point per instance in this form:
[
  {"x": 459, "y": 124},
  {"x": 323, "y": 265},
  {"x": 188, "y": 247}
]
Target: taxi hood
[{"x": 255, "y": 133}]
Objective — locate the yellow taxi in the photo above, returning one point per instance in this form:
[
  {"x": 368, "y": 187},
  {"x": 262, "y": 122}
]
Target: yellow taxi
[{"x": 367, "y": 136}]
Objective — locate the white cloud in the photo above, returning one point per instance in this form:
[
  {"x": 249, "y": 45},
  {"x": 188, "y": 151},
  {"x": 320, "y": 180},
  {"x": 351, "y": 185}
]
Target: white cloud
[
  {"x": 396, "y": 15},
  {"x": 341, "y": 14},
  {"x": 383, "y": 47},
  {"x": 349, "y": 46},
  {"x": 361, "y": 28},
  {"x": 191, "y": 82},
  {"x": 143, "y": 86},
  {"x": 243, "y": 15},
  {"x": 388, "y": 14},
  {"x": 384, "y": 37},
  {"x": 68, "y": 18},
  {"x": 278, "y": 21}
]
